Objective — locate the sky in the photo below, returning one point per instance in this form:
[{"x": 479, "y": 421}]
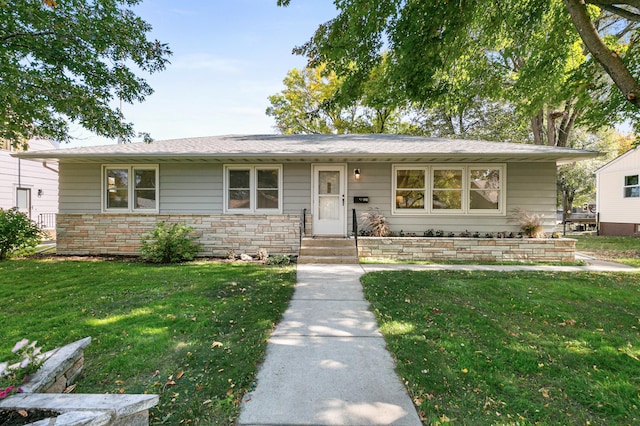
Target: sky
[{"x": 228, "y": 57}]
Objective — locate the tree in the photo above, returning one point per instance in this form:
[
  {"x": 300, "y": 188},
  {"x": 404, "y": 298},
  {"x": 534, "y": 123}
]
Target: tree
[
  {"x": 307, "y": 104},
  {"x": 68, "y": 61},
  {"x": 527, "y": 52},
  {"x": 310, "y": 104}
]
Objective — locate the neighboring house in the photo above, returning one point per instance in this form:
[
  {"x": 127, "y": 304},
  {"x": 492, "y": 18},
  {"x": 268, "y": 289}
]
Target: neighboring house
[
  {"x": 30, "y": 186},
  {"x": 243, "y": 193},
  {"x": 618, "y": 195}
]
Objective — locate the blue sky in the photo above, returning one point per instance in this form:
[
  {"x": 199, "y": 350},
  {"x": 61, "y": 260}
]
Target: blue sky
[{"x": 228, "y": 57}]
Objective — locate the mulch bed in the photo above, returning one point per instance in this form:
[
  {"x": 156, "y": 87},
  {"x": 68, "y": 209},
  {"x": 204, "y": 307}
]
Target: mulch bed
[{"x": 23, "y": 417}]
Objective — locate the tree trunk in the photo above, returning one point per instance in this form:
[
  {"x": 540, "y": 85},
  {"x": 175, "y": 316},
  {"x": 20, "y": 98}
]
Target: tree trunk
[
  {"x": 609, "y": 59},
  {"x": 566, "y": 126},
  {"x": 537, "y": 126}
]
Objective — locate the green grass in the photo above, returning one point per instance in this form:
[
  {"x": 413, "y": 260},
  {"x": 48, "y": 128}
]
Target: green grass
[
  {"x": 514, "y": 348},
  {"x": 619, "y": 249},
  {"x": 192, "y": 333}
]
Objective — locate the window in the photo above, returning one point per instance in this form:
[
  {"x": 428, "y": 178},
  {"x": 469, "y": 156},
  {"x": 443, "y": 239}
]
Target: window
[
  {"x": 131, "y": 188},
  {"x": 460, "y": 189},
  {"x": 447, "y": 189},
  {"x": 484, "y": 189},
  {"x": 250, "y": 189},
  {"x": 410, "y": 189},
  {"x": 631, "y": 186}
]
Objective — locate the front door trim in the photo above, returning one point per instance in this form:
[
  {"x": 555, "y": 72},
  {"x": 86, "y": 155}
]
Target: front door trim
[{"x": 336, "y": 227}]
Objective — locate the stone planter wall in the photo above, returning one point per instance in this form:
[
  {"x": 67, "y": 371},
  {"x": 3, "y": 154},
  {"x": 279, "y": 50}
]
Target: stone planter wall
[
  {"x": 61, "y": 367},
  {"x": 467, "y": 249}
]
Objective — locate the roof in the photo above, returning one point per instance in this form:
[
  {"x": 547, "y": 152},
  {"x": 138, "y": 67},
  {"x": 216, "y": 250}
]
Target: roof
[
  {"x": 619, "y": 158},
  {"x": 312, "y": 148}
]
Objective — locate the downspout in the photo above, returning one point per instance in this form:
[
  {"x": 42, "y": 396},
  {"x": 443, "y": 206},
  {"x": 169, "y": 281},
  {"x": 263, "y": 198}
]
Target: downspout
[{"x": 44, "y": 164}]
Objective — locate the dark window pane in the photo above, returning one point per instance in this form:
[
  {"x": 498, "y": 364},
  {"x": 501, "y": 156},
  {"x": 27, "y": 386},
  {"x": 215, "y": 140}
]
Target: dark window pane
[
  {"x": 485, "y": 178},
  {"x": 118, "y": 199},
  {"x": 632, "y": 192},
  {"x": 447, "y": 179},
  {"x": 267, "y": 199},
  {"x": 267, "y": 179},
  {"x": 410, "y": 179},
  {"x": 239, "y": 179},
  {"x": 145, "y": 199},
  {"x": 410, "y": 199},
  {"x": 447, "y": 200},
  {"x": 631, "y": 180},
  {"x": 145, "y": 179},
  {"x": 239, "y": 199}
]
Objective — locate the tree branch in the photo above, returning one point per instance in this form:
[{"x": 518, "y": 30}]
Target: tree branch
[
  {"x": 627, "y": 14},
  {"x": 15, "y": 35},
  {"x": 609, "y": 60}
]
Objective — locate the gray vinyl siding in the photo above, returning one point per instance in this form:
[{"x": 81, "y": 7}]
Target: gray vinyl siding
[
  {"x": 191, "y": 188},
  {"x": 80, "y": 188},
  {"x": 296, "y": 188}
]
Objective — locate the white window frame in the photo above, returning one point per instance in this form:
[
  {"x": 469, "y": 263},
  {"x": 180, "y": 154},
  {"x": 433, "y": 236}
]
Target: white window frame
[
  {"x": 253, "y": 188},
  {"x": 131, "y": 168},
  {"x": 429, "y": 170},
  {"x": 625, "y": 186}
]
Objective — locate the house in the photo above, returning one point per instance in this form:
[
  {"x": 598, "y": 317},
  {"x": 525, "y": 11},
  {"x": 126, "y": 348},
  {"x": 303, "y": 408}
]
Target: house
[
  {"x": 30, "y": 186},
  {"x": 243, "y": 193},
  {"x": 618, "y": 195}
]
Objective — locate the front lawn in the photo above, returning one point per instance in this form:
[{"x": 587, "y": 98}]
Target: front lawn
[
  {"x": 192, "y": 333},
  {"x": 617, "y": 249},
  {"x": 516, "y": 348}
]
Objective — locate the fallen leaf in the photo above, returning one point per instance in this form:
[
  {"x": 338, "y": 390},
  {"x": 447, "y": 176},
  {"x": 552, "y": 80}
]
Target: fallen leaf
[
  {"x": 216, "y": 344},
  {"x": 121, "y": 390},
  {"x": 199, "y": 387},
  {"x": 208, "y": 401},
  {"x": 70, "y": 389},
  {"x": 23, "y": 413},
  {"x": 156, "y": 373},
  {"x": 180, "y": 374},
  {"x": 119, "y": 382},
  {"x": 465, "y": 370},
  {"x": 170, "y": 383}
]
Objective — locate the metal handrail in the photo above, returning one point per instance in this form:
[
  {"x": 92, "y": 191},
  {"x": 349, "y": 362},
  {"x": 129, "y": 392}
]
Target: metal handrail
[
  {"x": 46, "y": 221},
  {"x": 302, "y": 230},
  {"x": 354, "y": 225}
]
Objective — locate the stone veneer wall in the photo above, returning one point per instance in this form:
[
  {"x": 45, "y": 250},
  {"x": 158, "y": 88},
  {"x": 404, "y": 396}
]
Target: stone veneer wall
[
  {"x": 468, "y": 249},
  {"x": 119, "y": 234}
]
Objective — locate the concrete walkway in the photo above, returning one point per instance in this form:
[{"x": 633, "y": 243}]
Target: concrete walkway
[{"x": 326, "y": 361}]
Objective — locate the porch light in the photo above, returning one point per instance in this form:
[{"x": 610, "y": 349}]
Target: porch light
[
  {"x": 40, "y": 193},
  {"x": 356, "y": 174}
]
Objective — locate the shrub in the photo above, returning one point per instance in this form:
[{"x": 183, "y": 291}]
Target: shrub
[
  {"x": 17, "y": 232},
  {"x": 169, "y": 244},
  {"x": 279, "y": 259},
  {"x": 374, "y": 223},
  {"x": 530, "y": 223}
]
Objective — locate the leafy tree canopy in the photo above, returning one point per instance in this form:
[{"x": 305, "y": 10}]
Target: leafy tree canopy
[
  {"x": 65, "y": 61},
  {"x": 536, "y": 54}
]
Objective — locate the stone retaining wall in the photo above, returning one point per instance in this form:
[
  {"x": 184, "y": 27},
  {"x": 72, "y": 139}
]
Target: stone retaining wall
[
  {"x": 468, "y": 249},
  {"x": 119, "y": 234}
]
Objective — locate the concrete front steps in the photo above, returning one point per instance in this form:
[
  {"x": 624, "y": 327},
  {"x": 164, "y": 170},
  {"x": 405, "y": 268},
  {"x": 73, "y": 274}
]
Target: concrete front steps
[{"x": 333, "y": 250}]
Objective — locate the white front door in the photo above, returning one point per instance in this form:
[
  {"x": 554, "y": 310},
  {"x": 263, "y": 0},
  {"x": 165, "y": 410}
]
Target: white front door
[{"x": 329, "y": 203}]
